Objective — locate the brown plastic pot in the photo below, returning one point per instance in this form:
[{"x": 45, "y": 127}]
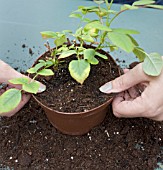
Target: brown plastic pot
[{"x": 76, "y": 123}]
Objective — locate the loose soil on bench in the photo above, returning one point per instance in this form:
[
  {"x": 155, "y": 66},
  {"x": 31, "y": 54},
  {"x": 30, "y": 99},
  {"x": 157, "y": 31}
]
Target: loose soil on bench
[{"x": 29, "y": 142}]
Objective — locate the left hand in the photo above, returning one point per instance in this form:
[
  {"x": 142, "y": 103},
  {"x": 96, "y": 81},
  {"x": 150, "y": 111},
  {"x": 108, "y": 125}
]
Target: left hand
[{"x": 7, "y": 73}]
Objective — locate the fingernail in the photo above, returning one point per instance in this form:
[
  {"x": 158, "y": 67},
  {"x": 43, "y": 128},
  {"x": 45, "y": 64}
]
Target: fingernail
[
  {"x": 42, "y": 88},
  {"x": 106, "y": 87}
]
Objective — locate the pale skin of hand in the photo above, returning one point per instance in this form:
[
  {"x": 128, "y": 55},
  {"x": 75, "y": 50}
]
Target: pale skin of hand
[
  {"x": 130, "y": 102},
  {"x": 7, "y": 73}
]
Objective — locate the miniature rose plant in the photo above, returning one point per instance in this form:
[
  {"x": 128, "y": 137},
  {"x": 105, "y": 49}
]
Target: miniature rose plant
[{"x": 98, "y": 33}]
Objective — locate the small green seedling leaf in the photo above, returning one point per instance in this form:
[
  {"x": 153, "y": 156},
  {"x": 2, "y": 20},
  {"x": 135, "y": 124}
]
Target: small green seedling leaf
[
  {"x": 9, "y": 100},
  {"x": 101, "y": 55},
  {"x": 79, "y": 70},
  {"x": 48, "y": 34},
  {"x": 31, "y": 87},
  {"x": 22, "y": 80},
  {"x": 45, "y": 72},
  {"x": 89, "y": 56},
  {"x": 122, "y": 41},
  {"x": 67, "y": 54},
  {"x": 153, "y": 64}
]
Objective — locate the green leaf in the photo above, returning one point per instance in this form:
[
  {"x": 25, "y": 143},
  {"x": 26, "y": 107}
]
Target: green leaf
[
  {"x": 128, "y": 7},
  {"x": 31, "y": 70},
  {"x": 86, "y": 20},
  {"x": 133, "y": 40},
  {"x": 143, "y": 2},
  {"x": 101, "y": 55},
  {"x": 125, "y": 31},
  {"x": 89, "y": 56},
  {"x": 155, "y": 6},
  {"x": 22, "y": 80},
  {"x": 66, "y": 31},
  {"x": 39, "y": 65},
  {"x": 41, "y": 61},
  {"x": 62, "y": 48},
  {"x": 36, "y": 67},
  {"x": 99, "y": 1},
  {"x": 48, "y": 34},
  {"x": 67, "y": 54},
  {"x": 153, "y": 64},
  {"x": 140, "y": 53},
  {"x": 80, "y": 49},
  {"x": 60, "y": 41},
  {"x": 122, "y": 41},
  {"x": 75, "y": 15},
  {"x": 93, "y": 32},
  {"x": 87, "y": 8},
  {"x": 78, "y": 31},
  {"x": 97, "y": 25},
  {"x": 87, "y": 38},
  {"x": 49, "y": 63},
  {"x": 9, "y": 100},
  {"x": 45, "y": 72},
  {"x": 31, "y": 87},
  {"x": 79, "y": 70}
]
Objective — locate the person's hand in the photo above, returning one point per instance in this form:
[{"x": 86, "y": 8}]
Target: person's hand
[
  {"x": 7, "y": 73},
  {"x": 143, "y": 98}
]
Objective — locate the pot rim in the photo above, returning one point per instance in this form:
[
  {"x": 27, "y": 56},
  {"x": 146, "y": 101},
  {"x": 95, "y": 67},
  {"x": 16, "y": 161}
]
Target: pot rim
[{"x": 73, "y": 113}]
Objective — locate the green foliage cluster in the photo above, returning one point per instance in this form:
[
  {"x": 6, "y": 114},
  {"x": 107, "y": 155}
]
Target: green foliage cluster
[{"x": 97, "y": 32}]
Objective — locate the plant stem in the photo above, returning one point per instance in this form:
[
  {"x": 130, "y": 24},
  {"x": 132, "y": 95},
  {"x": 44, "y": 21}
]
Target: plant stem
[
  {"x": 34, "y": 77},
  {"x": 117, "y": 16}
]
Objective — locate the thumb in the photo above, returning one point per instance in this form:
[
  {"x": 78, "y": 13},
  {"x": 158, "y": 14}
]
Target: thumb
[{"x": 127, "y": 80}]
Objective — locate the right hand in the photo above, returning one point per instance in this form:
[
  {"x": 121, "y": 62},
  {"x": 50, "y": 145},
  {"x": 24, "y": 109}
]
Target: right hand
[{"x": 130, "y": 102}]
